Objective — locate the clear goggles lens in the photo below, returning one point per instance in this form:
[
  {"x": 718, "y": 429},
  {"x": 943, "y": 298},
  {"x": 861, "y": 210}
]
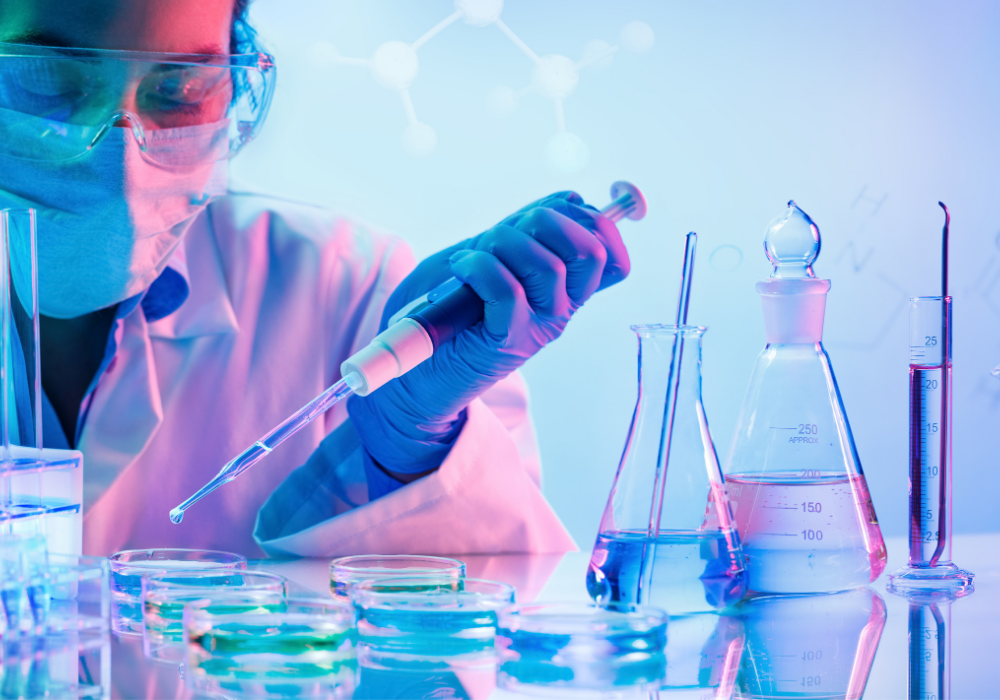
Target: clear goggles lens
[{"x": 56, "y": 104}]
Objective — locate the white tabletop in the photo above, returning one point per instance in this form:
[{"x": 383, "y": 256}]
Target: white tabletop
[{"x": 974, "y": 621}]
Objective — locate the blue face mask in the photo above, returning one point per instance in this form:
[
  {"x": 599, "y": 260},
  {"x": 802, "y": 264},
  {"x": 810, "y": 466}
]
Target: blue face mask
[{"x": 109, "y": 220}]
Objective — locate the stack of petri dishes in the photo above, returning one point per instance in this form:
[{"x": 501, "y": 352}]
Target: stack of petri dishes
[
  {"x": 164, "y": 596},
  {"x": 424, "y": 629},
  {"x": 129, "y": 567},
  {"x": 394, "y": 626},
  {"x": 301, "y": 647},
  {"x": 256, "y": 642}
]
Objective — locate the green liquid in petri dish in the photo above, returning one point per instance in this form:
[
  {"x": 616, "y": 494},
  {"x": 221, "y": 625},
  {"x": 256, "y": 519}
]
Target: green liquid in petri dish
[{"x": 248, "y": 649}]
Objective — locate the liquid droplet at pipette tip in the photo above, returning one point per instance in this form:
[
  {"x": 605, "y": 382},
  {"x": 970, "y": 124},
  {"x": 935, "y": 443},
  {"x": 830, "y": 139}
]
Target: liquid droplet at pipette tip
[{"x": 176, "y": 515}]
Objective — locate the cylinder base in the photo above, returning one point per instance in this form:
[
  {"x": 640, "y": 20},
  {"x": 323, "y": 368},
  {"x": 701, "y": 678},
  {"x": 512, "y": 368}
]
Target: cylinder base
[{"x": 931, "y": 583}]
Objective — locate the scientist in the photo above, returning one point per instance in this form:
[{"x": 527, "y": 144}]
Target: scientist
[{"x": 181, "y": 321}]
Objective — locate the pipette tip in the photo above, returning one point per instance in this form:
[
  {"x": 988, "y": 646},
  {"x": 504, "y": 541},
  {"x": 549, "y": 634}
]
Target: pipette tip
[{"x": 176, "y": 515}]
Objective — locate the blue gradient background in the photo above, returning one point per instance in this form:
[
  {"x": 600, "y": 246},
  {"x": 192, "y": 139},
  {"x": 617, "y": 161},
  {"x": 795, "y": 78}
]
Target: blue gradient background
[{"x": 736, "y": 109}]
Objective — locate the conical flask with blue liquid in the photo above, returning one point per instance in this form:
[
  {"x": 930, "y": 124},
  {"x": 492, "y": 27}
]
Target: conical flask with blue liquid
[
  {"x": 793, "y": 476},
  {"x": 667, "y": 537}
]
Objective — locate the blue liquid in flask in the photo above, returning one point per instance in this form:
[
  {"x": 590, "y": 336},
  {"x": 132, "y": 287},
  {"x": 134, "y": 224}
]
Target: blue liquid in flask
[
  {"x": 667, "y": 537},
  {"x": 694, "y": 571}
]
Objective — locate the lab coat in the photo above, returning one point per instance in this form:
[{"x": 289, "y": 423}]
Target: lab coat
[{"x": 280, "y": 294}]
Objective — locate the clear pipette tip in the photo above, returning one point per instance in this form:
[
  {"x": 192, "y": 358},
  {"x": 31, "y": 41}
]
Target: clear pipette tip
[{"x": 263, "y": 447}]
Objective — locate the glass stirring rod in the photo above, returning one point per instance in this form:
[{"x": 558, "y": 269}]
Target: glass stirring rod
[{"x": 413, "y": 334}]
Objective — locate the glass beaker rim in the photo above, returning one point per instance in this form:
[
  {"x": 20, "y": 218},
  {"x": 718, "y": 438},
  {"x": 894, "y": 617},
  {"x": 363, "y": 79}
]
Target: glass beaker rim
[
  {"x": 936, "y": 298},
  {"x": 659, "y": 329}
]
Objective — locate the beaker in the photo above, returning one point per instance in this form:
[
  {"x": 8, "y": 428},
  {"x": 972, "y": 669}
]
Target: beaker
[
  {"x": 794, "y": 480},
  {"x": 667, "y": 536}
]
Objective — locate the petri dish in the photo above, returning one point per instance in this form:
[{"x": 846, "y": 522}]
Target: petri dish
[
  {"x": 300, "y": 647},
  {"x": 402, "y": 619},
  {"x": 128, "y": 568},
  {"x": 346, "y": 571},
  {"x": 579, "y": 650},
  {"x": 165, "y": 594}
]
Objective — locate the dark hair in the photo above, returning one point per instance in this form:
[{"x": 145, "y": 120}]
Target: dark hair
[{"x": 242, "y": 37}]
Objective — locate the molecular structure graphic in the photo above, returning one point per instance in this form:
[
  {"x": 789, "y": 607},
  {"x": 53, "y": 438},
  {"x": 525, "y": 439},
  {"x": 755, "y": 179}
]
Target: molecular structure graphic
[{"x": 395, "y": 65}]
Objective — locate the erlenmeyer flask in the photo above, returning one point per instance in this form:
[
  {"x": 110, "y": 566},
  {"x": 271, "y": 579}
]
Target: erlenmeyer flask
[
  {"x": 667, "y": 536},
  {"x": 800, "y": 499}
]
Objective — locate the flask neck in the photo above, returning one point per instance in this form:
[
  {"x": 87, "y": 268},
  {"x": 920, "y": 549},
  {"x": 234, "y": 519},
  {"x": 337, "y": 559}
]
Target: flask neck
[
  {"x": 793, "y": 309},
  {"x": 656, "y": 361}
]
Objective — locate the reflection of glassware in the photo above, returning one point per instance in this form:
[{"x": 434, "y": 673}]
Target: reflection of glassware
[
  {"x": 810, "y": 646},
  {"x": 24, "y": 594},
  {"x": 347, "y": 571},
  {"x": 798, "y": 493},
  {"x": 303, "y": 649},
  {"x": 667, "y": 537},
  {"x": 930, "y": 567},
  {"x": 128, "y": 568},
  {"x": 164, "y": 596},
  {"x": 704, "y": 652},
  {"x": 929, "y": 631},
  {"x": 930, "y": 641},
  {"x": 574, "y": 650},
  {"x": 375, "y": 683},
  {"x": 72, "y": 664}
]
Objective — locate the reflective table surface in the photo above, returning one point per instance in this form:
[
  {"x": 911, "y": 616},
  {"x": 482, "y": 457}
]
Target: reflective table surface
[{"x": 798, "y": 650}]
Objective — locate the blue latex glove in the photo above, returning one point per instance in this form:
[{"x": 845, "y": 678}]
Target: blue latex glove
[{"x": 533, "y": 270}]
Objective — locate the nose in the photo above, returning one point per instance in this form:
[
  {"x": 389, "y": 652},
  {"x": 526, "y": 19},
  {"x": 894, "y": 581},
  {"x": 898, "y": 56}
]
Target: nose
[{"x": 123, "y": 119}]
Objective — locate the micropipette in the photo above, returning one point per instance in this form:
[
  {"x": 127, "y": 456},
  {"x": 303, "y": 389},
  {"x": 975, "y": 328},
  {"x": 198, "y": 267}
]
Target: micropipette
[
  {"x": 413, "y": 335},
  {"x": 930, "y": 568}
]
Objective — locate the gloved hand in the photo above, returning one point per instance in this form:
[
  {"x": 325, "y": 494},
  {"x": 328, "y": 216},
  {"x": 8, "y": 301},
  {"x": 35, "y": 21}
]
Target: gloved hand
[{"x": 533, "y": 270}]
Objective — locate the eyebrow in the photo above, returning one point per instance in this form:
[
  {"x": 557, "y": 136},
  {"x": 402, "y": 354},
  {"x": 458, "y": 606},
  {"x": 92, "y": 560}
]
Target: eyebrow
[
  {"x": 55, "y": 40},
  {"x": 208, "y": 50}
]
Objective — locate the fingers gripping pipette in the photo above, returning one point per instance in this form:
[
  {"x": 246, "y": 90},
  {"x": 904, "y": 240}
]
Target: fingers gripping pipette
[{"x": 412, "y": 337}]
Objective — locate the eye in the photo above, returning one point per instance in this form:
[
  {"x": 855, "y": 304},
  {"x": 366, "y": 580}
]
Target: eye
[
  {"x": 49, "y": 88},
  {"x": 189, "y": 85}
]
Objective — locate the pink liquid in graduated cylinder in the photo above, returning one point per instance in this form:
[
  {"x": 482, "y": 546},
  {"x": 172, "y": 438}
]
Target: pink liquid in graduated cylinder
[{"x": 806, "y": 532}]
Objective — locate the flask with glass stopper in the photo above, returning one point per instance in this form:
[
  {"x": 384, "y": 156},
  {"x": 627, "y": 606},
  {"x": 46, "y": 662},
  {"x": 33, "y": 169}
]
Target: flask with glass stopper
[{"x": 793, "y": 476}]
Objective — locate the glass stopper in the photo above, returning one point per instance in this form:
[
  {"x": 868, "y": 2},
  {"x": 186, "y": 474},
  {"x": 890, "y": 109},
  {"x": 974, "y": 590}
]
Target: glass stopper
[{"x": 792, "y": 243}]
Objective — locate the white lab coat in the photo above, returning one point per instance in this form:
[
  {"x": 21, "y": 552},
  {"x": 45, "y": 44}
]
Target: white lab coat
[{"x": 280, "y": 295}]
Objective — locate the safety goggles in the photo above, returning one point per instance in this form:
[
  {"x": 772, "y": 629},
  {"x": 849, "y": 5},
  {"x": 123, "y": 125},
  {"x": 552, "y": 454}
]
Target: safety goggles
[{"x": 58, "y": 103}]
